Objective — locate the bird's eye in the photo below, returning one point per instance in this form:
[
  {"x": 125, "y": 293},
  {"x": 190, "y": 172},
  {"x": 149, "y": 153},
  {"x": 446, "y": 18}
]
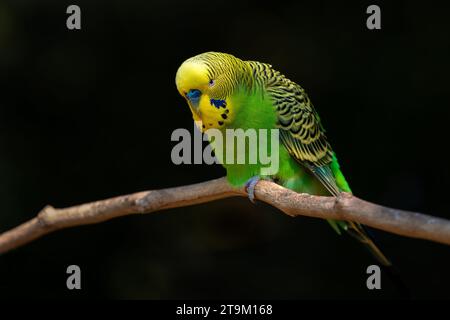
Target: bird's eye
[{"x": 211, "y": 82}]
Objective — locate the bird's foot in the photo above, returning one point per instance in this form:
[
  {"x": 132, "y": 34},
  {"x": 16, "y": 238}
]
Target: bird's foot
[{"x": 250, "y": 187}]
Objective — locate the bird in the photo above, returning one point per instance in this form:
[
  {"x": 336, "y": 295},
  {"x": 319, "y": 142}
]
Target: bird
[{"x": 224, "y": 92}]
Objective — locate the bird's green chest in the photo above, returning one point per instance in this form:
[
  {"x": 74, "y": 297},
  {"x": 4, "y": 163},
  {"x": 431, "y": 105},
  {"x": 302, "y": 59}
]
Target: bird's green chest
[{"x": 255, "y": 122}]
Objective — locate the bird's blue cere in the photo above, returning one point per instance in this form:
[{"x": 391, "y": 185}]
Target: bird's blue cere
[{"x": 194, "y": 96}]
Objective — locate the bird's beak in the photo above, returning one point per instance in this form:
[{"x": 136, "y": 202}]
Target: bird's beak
[{"x": 194, "y": 109}]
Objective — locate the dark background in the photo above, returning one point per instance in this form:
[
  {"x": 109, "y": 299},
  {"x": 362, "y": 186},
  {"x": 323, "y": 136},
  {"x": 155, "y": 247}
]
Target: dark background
[{"x": 88, "y": 114}]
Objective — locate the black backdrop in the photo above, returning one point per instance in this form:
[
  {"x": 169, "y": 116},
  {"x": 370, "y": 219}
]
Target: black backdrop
[{"x": 88, "y": 114}]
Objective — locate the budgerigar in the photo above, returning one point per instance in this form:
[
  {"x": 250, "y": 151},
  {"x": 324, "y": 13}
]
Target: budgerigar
[{"x": 225, "y": 92}]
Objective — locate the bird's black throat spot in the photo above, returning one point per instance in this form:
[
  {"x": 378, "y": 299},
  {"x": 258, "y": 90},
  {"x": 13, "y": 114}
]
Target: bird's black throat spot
[{"x": 218, "y": 103}]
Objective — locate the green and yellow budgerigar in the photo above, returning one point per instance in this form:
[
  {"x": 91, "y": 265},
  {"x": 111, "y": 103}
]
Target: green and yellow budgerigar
[{"x": 224, "y": 92}]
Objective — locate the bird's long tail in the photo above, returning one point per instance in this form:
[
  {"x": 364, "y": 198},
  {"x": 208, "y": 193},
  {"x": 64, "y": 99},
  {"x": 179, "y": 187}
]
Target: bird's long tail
[
  {"x": 334, "y": 181},
  {"x": 358, "y": 232}
]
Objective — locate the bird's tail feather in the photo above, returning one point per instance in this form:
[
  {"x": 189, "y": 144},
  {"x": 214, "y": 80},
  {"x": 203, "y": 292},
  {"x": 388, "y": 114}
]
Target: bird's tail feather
[
  {"x": 357, "y": 231},
  {"x": 360, "y": 233}
]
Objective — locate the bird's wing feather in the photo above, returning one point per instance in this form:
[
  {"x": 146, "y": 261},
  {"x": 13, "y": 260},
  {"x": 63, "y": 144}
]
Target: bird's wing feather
[{"x": 301, "y": 131}]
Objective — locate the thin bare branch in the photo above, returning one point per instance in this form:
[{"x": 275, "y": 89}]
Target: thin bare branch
[{"x": 346, "y": 207}]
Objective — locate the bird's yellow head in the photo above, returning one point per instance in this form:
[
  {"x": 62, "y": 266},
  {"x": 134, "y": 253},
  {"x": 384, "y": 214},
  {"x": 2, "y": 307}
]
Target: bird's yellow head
[{"x": 207, "y": 82}]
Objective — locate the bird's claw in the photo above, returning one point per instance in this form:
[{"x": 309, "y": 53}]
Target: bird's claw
[{"x": 250, "y": 187}]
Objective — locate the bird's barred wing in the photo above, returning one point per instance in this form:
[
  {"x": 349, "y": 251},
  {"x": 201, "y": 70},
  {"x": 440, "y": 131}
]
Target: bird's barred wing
[{"x": 302, "y": 133}]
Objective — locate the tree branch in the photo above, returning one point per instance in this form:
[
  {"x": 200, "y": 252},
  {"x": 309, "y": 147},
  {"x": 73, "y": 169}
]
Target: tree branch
[{"x": 346, "y": 207}]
